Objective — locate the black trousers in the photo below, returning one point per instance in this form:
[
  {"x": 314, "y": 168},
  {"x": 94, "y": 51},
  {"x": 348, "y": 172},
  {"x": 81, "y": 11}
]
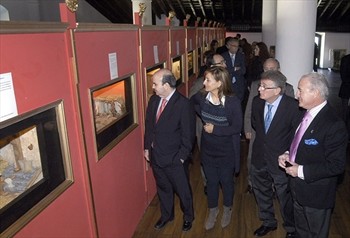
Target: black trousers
[
  {"x": 311, "y": 222},
  {"x": 170, "y": 180},
  {"x": 263, "y": 181}
]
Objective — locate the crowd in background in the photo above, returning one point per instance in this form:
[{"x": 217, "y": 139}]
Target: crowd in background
[{"x": 297, "y": 147}]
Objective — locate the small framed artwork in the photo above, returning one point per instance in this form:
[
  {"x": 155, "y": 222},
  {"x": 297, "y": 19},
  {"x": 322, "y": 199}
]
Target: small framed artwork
[
  {"x": 190, "y": 62},
  {"x": 177, "y": 69},
  {"x": 199, "y": 57},
  {"x": 114, "y": 112},
  {"x": 149, "y": 74},
  {"x": 35, "y": 165}
]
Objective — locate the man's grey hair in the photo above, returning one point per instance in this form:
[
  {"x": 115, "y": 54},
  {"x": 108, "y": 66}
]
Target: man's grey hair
[{"x": 318, "y": 82}]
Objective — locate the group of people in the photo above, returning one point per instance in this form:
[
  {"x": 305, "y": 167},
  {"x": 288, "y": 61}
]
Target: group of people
[{"x": 297, "y": 148}]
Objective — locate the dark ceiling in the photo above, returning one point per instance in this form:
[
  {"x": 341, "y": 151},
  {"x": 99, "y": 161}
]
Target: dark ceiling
[{"x": 237, "y": 15}]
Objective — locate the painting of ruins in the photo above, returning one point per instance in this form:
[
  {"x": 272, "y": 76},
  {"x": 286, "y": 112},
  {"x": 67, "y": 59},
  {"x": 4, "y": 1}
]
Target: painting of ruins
[
  {"x": 113, "y": 112},
  {"x": 20, "y": 164},
  {"x": 35, "y": 166}
]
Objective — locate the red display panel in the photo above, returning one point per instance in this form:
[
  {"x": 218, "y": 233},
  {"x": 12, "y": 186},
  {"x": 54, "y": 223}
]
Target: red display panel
[
  {"x": 117, "y": 178},
  {"x": 39, "y": 59}
]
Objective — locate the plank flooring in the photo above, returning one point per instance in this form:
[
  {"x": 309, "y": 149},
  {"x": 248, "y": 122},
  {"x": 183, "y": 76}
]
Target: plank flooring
[{"x": 245, "y": 214}]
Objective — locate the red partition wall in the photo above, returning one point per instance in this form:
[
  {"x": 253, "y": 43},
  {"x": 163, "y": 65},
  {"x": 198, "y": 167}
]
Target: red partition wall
[
  {"x": 155, "y": 53},
  {"x": 200, "y": 48},
  {"x": 178, "y": 49},
  {"x": 117, "y": 179},
  {"x": 39, "y": 57},
  {"x": 191, "y": 34}
]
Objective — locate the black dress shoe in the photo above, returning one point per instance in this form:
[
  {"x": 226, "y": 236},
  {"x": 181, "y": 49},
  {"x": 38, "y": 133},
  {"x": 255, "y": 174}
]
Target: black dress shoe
[
  {"x": 290, "y": 235},
  {"x": 263, "y": 230},
  {"x": 249, "y": 189},
  {"x": 160, "y": 224},
  {"x": 187, "y": 225}
]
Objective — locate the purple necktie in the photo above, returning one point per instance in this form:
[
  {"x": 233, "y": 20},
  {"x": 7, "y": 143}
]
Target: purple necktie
[{"x": 302, "y": 128}]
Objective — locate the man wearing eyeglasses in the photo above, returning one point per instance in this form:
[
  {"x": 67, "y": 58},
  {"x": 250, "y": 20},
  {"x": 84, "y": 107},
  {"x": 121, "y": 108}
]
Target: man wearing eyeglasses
[
  {"x": 269, "y": 64},
  {"x": 235, "y": 62},
  {"x": 274, "y": 118}
]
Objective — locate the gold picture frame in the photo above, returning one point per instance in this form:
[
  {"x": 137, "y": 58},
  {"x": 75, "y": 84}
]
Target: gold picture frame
[
  {"x": 114, "y": 112},
  {"x": 35, "y": 165}
]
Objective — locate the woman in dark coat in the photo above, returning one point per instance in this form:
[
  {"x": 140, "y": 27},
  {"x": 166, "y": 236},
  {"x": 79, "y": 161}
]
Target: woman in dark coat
[{"x": 221, "y": 114}]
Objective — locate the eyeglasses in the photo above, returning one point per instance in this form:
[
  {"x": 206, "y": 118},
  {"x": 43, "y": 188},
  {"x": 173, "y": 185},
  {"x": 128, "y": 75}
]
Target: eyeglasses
[
  {"x": 264, "y": 87},
  {"x": 221, "y": 62}
]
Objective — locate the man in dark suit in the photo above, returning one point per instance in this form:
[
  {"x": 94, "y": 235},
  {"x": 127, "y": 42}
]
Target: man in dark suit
[
  {"x": 274, "y": 116},
  {"x": 269, "y": 64},
  {"x": 235, "y": 63},
  {"x": 169, "y": 138},
  {"x": 344, "y": 91},
  {"x": 316, "y": 157}
]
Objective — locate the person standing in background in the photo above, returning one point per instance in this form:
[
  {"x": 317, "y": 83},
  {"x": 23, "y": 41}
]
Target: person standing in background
[
  {"x": 316, "y": 158},
  {"x": 255, "y": 68},
  {"x": 235, "y": 63},
  {"x": 168, "y": 142},
  {"x": 344, "y": 91}
]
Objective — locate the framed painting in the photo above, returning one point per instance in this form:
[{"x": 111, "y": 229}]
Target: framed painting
[
  {"x": 35, "y": 165},
  {"x": 114, "y": 112}
]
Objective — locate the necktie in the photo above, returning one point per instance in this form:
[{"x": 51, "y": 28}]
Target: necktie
[
  {"x": 233, "y": 65},
  {"x": 268, "y": 117},
  {"x": 297, "y": 137},
  {"x": 161, "y": 108}
]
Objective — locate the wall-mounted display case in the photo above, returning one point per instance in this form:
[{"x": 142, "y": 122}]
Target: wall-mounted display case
[
  {"x": 35, "y": 165},
  {"x": 190, "y": 62},
  {"x": 114, "y": 112},
  {"x": 177, "y": 69}
]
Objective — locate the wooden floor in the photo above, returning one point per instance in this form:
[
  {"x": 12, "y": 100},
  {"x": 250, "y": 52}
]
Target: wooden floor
[{"x": 245, "y": 215}]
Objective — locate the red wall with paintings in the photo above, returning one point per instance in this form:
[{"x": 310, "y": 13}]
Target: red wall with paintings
[
  {"x": 117, "y": 178},
  {"x": 109, "y": 194},
  {"x": 42, "y": 73}
]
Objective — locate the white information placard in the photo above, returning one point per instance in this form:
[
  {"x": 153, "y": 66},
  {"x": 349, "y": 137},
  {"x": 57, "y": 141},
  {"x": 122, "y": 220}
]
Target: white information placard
[{"x": 8, "y": 105}]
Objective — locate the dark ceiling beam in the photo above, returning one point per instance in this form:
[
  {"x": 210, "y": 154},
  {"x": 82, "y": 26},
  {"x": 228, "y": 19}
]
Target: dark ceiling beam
[
  {"x": 170, "y": 5},
  {"x": 243, "y": 9},
  {"x": 156, "y": 9},
  {"x": 162, "y": 6},
  {"x": 202, "y": 9},
  {"x": 192, "y": 8},
  {"x": 181, "y": 7},
  {"x": 335, "y": 9},
  {"x": 326, "y": 8},
  {"x": 232, "y": 11},
  {"x": 212, "y": 9},
  {"x": 253, "y": 9},
  {"x": 223, "y": 10},
  {"x": 344, "y": 11}
]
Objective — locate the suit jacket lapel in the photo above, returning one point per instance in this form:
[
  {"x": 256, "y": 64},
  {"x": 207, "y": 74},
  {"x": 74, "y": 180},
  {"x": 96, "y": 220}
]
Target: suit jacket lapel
[
  {"x": 168, "y": 107},
  {"x": 315, "y": 124},
  {"x": 279, "y": 113}
]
